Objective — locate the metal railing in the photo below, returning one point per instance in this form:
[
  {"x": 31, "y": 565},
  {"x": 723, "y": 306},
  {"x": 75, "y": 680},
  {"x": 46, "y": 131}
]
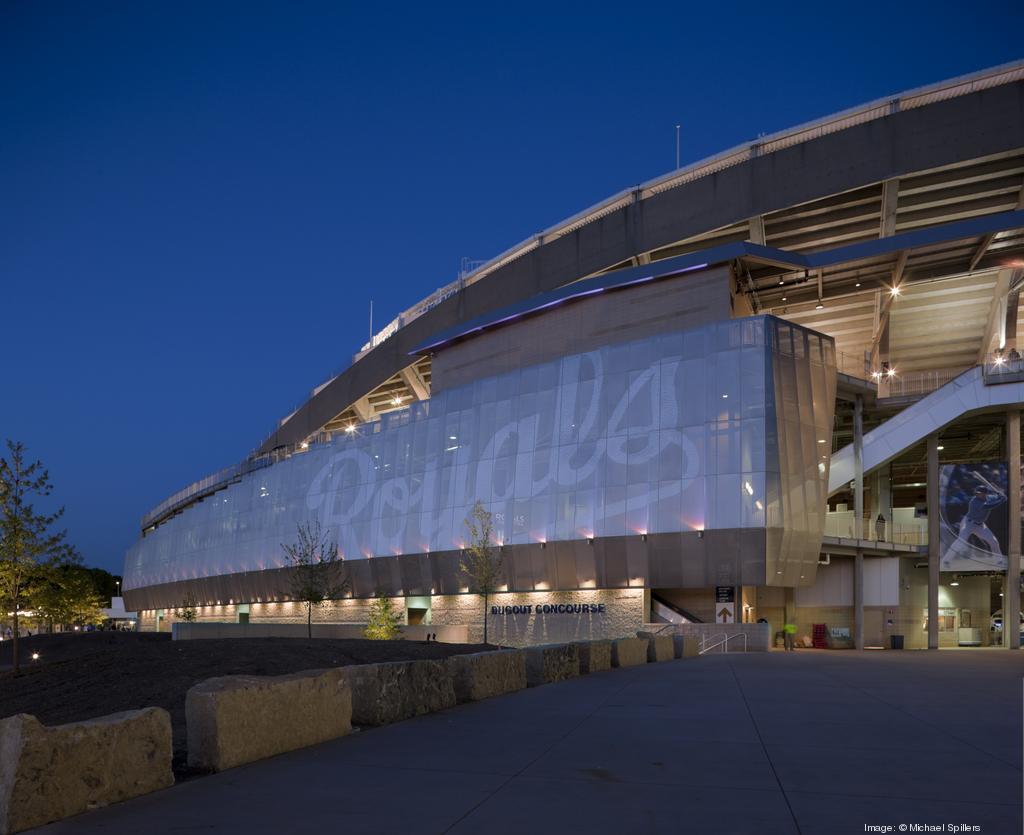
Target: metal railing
[
  {"x": 853, "y": 366},
  {"x": 841, "y": 524},
  {"x": 721, "y": 639},
  {"x": 1002, "y": 367},
  {"x": 920, "y": 97},
  {"x": 916, "y": 383}
]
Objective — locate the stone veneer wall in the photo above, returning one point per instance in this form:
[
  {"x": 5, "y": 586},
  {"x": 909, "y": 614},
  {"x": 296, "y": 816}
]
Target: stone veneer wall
[
  {"x": 624, "y": 614},
  {"x": 335, "y": 611}
]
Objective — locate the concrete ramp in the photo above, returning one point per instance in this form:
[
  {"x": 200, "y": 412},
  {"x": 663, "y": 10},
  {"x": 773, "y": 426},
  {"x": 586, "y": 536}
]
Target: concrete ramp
[{"x": 961, "y": 396}]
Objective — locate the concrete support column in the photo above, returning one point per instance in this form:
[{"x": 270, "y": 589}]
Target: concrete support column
[
  {"x": 1011, "y": 588},
  {"x": 858, "y": 468},
  {"x": 858, "y": 600},
  {"x": 933, "y": 541},
  {"x": 790, "y": 605}
]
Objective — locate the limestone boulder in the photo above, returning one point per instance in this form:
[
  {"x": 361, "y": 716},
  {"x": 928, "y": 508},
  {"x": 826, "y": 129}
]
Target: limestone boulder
[
  {"x": 552, "y": 662},
  {"x": 629, "y": 652},
  {"x": 660, "y": 648},
  {"x": 595, "y": 656},
  {"x": 685, "y": 646},
  {"x": 237, "y": 719},
  {"x": 51, "y": 773},
  {"x": 482, "y": 675},
  {"x": 393, "y": 691}
]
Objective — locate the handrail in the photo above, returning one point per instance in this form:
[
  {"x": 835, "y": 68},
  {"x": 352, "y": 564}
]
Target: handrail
[
  {"x": 724, "y": 642},
  {"x": 1002, "y": 367}
]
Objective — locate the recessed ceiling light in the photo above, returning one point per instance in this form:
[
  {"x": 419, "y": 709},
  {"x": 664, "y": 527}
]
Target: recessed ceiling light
[{"x": 819, "y": 305}]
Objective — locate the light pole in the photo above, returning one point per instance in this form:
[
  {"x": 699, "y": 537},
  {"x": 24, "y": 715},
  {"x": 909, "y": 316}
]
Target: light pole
[{"x": 677, "y": 147}]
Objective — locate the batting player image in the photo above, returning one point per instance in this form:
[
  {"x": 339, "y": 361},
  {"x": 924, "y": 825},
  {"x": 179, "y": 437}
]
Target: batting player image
[{"x": 974, "y": 524}]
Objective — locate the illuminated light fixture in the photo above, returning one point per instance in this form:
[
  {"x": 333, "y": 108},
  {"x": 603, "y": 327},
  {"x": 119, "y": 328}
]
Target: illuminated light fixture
[
  {"x": 452, "y": 438},
  {"x": 955, "y": 583},
  {"x": 894, "y": 291},
  {"x": 821, "y": 440},
  {"x": 350, "y": 428},
  {"x": 758, "y": 505},
  {"x": 999, "y": 360},
  {"x": 876, "y": 375},
  {"x": 782, "y": 281},
  {"x": 820, "y": 305},
  {"x": 857, "y": 284},
  {"x": 305, "y": 444},
  {"x": 891, "y": 372},
  {"x": 35, "y": 656},
  {"x": 940, "y": 447},
  {"x": 747, "y": 486},
  {"x": 397, "y": 401},
  {"x": 725, "y": 396},
  {"x": 783, "y": 298}
]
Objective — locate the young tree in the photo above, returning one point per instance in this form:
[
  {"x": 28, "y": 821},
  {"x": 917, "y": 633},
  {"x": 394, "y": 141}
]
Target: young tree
[
  {"x": 316, "y": 575},
  {"x": 384, "y": 621},
  {"x": 187, "y": 612},
  {"x": 28, "y": 543},
  {"x": 480, "y": 563}
]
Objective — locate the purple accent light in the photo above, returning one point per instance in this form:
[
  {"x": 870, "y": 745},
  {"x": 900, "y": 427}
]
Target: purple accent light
[{"x": 519, "y": 314}]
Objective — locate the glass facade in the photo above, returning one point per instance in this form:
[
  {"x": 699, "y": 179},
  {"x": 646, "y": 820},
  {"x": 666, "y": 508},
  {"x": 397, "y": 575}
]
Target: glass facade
[{"x": 714, "y": 428}]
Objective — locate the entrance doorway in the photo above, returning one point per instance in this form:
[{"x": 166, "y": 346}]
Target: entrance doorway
[{"x": 874, "y": 628}]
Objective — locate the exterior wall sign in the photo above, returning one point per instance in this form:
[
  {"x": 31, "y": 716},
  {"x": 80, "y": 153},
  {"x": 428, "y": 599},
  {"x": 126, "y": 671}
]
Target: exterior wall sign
[
  {"x": 725, "y": 604},
  {"x": 551, "y": 609}
]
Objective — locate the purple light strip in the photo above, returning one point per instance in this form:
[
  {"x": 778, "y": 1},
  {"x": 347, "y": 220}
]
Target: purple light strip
[{"x": 555, "y": 302}]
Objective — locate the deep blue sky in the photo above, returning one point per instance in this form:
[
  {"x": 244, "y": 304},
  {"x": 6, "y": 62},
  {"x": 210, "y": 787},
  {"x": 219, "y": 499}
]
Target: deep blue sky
[{"x": 199, "y": 200}]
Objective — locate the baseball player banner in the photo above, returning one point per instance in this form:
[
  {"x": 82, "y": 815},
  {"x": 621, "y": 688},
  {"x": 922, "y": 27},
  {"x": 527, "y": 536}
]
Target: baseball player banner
[{"x": 973, "y": 517}]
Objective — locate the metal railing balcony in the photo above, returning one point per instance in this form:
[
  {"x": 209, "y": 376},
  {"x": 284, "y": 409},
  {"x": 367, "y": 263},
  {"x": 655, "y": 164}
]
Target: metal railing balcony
[
  {"x": 1002, "y": 367},
  {"x": 914, "y": 383},
  {"x": 841, "y": 524}
]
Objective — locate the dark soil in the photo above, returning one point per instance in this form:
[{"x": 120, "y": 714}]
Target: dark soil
[{"x": 81, "y": 676}]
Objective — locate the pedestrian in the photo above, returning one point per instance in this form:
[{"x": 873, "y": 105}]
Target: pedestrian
[{"x": 789, "y": 636}]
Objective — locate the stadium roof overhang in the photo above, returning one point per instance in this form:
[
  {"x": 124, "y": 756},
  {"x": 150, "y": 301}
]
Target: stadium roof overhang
[
  {"x": 832, "y": 213},
  {"x": 774, "y": 272}
]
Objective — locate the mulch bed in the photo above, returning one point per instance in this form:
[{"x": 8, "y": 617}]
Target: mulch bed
[{"x": 85, "y": 675}]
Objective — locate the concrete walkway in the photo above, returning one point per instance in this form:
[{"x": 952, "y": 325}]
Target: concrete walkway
[{"x": 807, "y": 742}]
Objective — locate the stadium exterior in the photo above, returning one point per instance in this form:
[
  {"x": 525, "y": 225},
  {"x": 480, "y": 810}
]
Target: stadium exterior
[{"x": 785, "y": 375}]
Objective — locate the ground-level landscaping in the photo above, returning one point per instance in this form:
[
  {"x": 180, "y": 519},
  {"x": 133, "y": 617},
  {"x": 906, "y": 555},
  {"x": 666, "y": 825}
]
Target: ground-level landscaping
[{"x": 84, "y": 675}]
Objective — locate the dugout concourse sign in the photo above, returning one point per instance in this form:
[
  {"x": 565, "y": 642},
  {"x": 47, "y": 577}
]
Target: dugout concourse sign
[{"x": 725, "y": 604}]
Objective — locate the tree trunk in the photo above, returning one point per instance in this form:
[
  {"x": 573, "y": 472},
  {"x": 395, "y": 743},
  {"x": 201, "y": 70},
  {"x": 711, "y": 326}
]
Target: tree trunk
[
  {"x": 15, "y": 668},
  {"x": 485, "y": 617}
]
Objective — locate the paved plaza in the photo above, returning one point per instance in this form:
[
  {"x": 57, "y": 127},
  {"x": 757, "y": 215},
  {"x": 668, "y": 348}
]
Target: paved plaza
[{"x": 805, "y": 742}]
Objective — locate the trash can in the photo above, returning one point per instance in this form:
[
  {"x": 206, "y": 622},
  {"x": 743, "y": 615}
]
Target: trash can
[{"x": 895, "y": 642}]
